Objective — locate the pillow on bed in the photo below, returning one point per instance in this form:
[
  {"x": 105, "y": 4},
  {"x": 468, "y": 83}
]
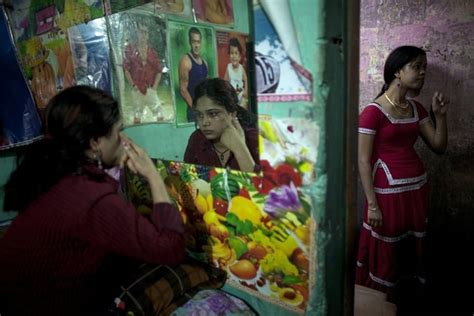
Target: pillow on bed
[{"x": 160, "y": 289}]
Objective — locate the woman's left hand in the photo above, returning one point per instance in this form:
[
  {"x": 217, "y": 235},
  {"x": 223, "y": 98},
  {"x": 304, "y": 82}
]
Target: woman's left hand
[
  {"x": 439, "y": 104},
  {"x": 233, "y": 134}
]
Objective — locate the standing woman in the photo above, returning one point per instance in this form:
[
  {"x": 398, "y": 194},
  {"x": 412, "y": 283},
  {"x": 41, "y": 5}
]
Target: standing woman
[
  {"x": 393, "y": 177},
  {"x": 72, "y": 220},
  {"x": 225, "y": 137}
]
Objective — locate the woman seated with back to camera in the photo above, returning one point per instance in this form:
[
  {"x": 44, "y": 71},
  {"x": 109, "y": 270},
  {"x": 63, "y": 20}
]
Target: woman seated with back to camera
[
  {"x": 72, "y": 219},
  {"x": 225, "y": 137}
]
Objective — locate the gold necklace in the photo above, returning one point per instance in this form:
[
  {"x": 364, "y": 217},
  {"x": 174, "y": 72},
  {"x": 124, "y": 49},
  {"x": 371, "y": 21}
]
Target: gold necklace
[{"x": 394, "y": 104}]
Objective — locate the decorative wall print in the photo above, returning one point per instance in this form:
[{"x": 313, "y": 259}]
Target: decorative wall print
[
  {"x": 48, "y": 65},
  {"x": 290, "y": 140},
  {"x": 193, "y": 58},
  {"x": 180, "y": 7},
  {"x": 257, "y": 228},
  {"x": 90, "y": 52},
  {"x": 214, "y": 11},
  {"x": 19, "y": 121},
  {"x": 35, "y": 17},
  {"x": 279, "y": 78},
  {"x": 232, "y": 62},
  {"x": 122, "y": 5},
  {"x": 139, "y": 47}
]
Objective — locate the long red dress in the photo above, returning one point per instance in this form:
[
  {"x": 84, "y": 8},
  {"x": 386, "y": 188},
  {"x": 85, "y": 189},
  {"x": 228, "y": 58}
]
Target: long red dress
[{"x": 400, "y": 184}]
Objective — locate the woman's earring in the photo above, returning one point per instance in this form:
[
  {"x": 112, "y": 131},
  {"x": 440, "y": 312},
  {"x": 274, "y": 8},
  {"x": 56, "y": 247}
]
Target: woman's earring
[{"x": 99, "y": 161}]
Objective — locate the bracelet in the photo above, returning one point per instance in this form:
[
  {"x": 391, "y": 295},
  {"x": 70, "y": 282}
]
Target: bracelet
[{"x": 372, "y": 208}]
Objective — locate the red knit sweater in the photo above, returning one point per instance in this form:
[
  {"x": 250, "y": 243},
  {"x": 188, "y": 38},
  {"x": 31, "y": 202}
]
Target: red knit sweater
[{"x": 52, "y": 256}]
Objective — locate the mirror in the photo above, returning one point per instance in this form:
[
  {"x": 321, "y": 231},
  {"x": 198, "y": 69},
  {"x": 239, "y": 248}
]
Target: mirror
[
  {"x": 182, "y": 54},
  {"x": 150, "y": 55}
]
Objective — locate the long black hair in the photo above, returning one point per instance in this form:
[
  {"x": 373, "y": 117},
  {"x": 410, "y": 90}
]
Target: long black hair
[
  {"x": 396, "y": 60},
  {"x": 221, "y": 92},
  {"x": 73, "y": 117}
]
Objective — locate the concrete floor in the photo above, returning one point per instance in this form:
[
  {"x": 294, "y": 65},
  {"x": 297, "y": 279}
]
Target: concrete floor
[
  {"x": 449, "y": 289},
  {"x": 369, "y": 302}
]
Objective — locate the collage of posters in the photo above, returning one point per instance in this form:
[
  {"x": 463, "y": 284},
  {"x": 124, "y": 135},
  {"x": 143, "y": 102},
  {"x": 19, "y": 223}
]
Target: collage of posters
[{"x": 132, "y": 48}]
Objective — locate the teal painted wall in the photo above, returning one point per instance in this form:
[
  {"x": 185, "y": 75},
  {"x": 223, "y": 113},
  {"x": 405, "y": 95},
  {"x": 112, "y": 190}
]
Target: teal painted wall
[{"x": 7, "y": 164}]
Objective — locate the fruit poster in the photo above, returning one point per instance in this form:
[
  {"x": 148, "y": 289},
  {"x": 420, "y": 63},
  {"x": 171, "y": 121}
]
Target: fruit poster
[{"x": 258, "y": 228}]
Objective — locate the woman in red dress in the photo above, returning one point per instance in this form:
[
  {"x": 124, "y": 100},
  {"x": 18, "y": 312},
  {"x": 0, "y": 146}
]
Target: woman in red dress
[{"x": 392, "y": 174}]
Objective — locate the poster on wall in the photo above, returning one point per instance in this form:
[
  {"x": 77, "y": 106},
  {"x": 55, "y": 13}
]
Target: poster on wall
[
  {"x": 35, "y": 17},
  {"x": 279, "y": 79},
  {"x": 139, "y": 47},
  {"x": 193, "y": 58},
  {"x": 48, "y": 65},
  {"x": 290, "y": 140},
  {"x": 177, "y": 7},
  {"x": 114, "y": 6},
  {"x": 232, "y": 62},
  {"x": 90, "y": 54},
  {"x": 19, "y": 120},
  {"x": 256, "y": 228},
  {"x": 214, "y": 11}
]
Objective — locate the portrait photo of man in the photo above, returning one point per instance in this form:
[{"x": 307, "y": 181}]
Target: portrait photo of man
[
  {"x": 192, "y": 69},
  {"x": 192, "y": 50}
]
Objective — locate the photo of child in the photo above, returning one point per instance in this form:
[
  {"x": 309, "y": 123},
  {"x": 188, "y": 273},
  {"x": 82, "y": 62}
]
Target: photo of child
[{"x": 233, "y": 63}]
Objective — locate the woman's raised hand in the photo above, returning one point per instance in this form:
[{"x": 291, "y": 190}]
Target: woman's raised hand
[
  {"x": 439, "y": 103},
  {"x": 136, "y": 159},
  {"x": 233, "y": 135}
]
